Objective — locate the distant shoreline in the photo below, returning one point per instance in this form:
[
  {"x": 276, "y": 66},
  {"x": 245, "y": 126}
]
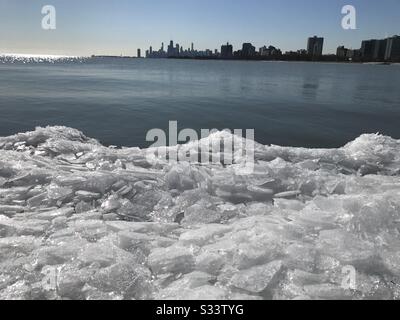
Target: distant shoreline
[
  {"x": 4, "y": 57},
  {"x": 244, "y": 59}
]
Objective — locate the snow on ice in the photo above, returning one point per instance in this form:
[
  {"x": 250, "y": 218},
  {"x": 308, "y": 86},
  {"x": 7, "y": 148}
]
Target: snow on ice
[{"x": 79, "y": 220}]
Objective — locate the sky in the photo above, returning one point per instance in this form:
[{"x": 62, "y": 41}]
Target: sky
[{"x": 122, "y": 26}]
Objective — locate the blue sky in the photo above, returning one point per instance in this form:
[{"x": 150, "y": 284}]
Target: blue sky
[{"x": 87, "y": 27}]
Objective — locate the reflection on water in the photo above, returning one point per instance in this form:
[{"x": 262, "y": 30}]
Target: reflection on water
[{"x": 310, "y": 87}]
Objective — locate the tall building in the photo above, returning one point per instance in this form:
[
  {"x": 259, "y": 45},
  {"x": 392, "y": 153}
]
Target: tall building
[
  {"x": 355, "y": 54},
  {"x": 343, "y": 53},
  {"x": 192, "y": 47},
  {"x": 380, "y": 49},
  {"x": 270, "y": 51},
  {"x": 315, "y": 46},
  {"x": 139, "y": 53},
  {"x": 392, "y": 52},
  {"x": 248, "y": 50},
  {"x": 368, "y": 49},
  {"x": 226, "y": 51},
  {"x": 171, "y": 49}
]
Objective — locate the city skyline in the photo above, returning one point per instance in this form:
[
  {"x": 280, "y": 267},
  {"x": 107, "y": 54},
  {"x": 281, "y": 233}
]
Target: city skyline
[
  {"x": 120, "y": 27},
  {"x": 372, "y": 50}
]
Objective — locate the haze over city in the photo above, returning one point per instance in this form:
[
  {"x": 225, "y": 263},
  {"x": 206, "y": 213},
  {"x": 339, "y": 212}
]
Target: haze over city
[{"x": 120, "y": 27}]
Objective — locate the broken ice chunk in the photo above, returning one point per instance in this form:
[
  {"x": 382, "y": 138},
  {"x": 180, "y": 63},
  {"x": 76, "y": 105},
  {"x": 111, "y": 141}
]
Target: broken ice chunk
[
  {"x": 256, "y": 250},
  {"x": 302, "y": 278},
  {"x": 57, "y": 193},
  {"x": 346, "y": 247},
  {"x": 209, "y": 262},
  {"x": 204, "y": 234},
  {"x": 259, "y": 278},
  {"x": 97, "y": 254},
  {"x": 111, "y": 204},
  {"x": 59, "y": 253},
  {"x": 53, "y": 214},
  {"x": 206, "y": 292},
  {"x": 254, "y": 209},
  {"x": 86, "y": 195},
  {"x": 327, "y": 291},
  {"x": 173, "y": 259},
  {"x": 13, "y": 247},
  {"x": 82, "y": 207},
  {"x": 287, "y": 194},
  {"x": 198, "y": 213},
  {"x": 260, "y": 194},
  {"x": 20, "y": 290},
  {"x": 142, "y": 227},
  {"x": 193, "y": 286},
  {"x": 301, "y": 256},
  {"x": 132, "y": 281},
  {"x": 91, "y": 230},
  {"x": 92, "y": 293},
  {"x": 11, "y": 210},
  {"x": 391, "y": 260},
  {"x": 37, "y": 200},
  {"x": 128, "y": 240},
  {"x": 125, "y": 190},
  {"x": 11, "y": 227},
  {"x": 129, "y": 210},
  {"x": 283, "y": 203},
  {"x": 71, "y": 280}
]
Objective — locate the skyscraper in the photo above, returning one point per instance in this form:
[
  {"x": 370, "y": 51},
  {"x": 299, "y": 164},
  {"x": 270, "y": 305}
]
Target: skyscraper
[
  {"x": 171, "y": 49},
  {"x": 368, "y": 49},
  {"x": 139, "y": 53},
  {"x": 315, "y": 46},
  {"x": 380, "y": 49},
  {"x": 226, "y": 51},
  {"x": 248, "y": 50},
  {"x": 341, "y": 52},
  {"x": 393, "y": 49}
]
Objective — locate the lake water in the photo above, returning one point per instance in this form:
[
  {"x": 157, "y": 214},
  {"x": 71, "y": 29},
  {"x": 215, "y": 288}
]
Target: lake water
[{"x": 118, "y": 100}]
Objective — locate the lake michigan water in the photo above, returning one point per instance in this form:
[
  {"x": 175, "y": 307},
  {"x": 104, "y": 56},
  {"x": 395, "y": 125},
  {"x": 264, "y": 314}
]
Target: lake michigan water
[{"x": 287, "y": 103}]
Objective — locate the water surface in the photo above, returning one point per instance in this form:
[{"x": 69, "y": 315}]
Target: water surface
[{"x": 119, "y": 100}]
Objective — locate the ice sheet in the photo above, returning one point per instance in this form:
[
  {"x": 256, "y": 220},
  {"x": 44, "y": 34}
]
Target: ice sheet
[{"x": 79, "y": 220}]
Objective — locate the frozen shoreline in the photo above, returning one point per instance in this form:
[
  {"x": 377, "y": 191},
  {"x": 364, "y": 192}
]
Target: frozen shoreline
[{"x": 110, "y": 225}]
